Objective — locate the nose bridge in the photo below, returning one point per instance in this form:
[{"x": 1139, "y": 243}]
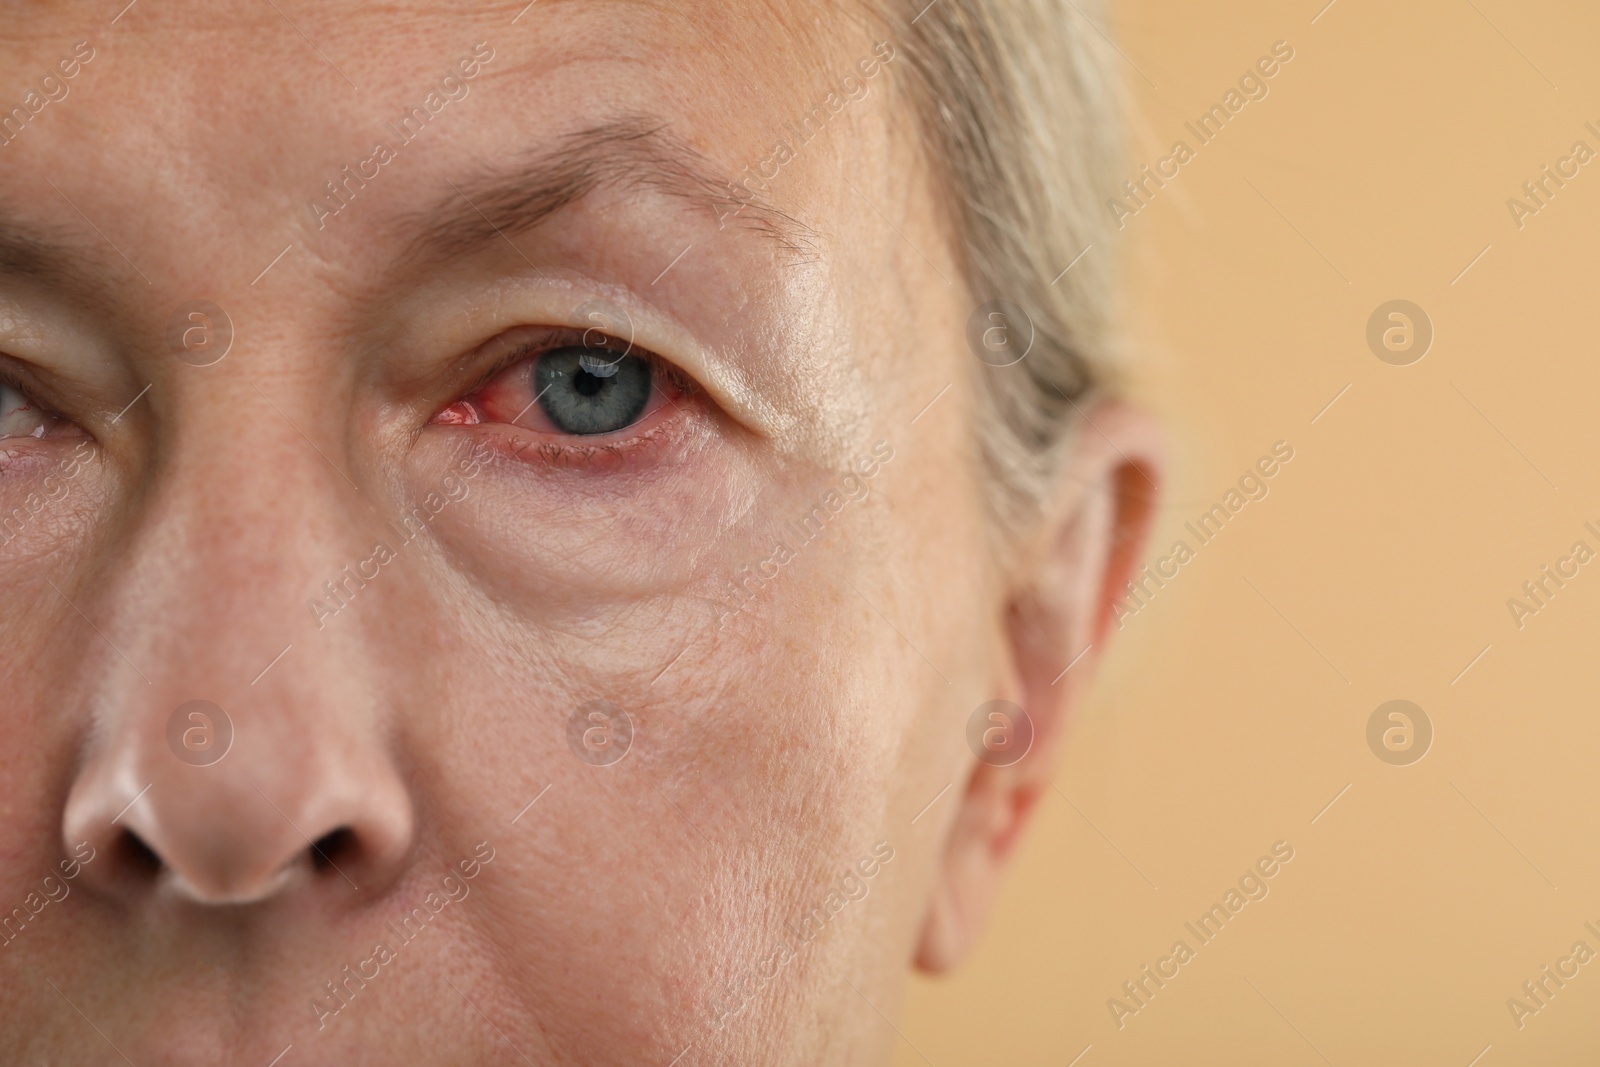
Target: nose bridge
[
  {"x": 237, "y": 515},
  {"x": 244, "y": 744}
]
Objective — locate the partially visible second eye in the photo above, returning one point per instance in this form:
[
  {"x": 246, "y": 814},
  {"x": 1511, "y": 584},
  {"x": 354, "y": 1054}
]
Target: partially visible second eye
[
  {"x": 22, "y": 416},
  {"x": 589, "y": 391}
]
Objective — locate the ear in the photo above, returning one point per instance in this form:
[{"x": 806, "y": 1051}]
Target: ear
[{"x": 1057, "y": 612}]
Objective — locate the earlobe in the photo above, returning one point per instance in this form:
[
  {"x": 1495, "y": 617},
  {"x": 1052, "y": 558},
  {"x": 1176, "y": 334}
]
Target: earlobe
[
  {"x": 1056, "y": 618},
  {"x": 993, "y": 810}
]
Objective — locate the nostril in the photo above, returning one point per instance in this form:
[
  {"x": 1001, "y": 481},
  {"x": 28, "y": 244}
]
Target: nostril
[
  {"x": 134, "y": 855},
  {"x": 334, "y": 849}
]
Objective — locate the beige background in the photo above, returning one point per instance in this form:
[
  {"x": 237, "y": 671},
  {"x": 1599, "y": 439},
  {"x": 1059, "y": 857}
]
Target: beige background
[{"x": 1415, "y": 506}]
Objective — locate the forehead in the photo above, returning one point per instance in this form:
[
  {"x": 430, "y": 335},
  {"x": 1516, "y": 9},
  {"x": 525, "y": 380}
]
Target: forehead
[
  {"x": 226, "y": 120},
  {"x": 361, "y": 34},
  {"x": 285, "y": 70}
]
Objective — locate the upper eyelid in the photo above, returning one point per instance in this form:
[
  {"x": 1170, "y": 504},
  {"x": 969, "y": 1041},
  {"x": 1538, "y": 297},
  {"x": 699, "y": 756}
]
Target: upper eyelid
[
  {"x": 499, "y": 367},
  {"x": 536, "y": 348}
]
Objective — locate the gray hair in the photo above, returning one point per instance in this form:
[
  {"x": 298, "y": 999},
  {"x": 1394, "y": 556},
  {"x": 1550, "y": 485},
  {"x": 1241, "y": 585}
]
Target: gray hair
[{"x": 1020, "y": 117}]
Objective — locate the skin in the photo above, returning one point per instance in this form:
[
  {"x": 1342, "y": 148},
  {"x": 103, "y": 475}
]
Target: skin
[{"x": 635, "y": 910}]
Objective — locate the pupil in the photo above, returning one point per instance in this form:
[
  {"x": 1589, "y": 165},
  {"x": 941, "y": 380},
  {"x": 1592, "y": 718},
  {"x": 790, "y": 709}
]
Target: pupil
[{"x": 587, "y": 384}]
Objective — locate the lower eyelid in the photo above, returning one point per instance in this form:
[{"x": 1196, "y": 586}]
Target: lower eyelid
[
  {"x": 667, "y": 425},
  {"x": 37, "y": 456}
]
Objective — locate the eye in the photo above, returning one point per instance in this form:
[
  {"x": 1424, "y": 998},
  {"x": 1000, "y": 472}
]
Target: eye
[
  {"x": 22, "y": 416},
  {"x": 592, "y": 391},
  {"x": 568, "y": 384}
]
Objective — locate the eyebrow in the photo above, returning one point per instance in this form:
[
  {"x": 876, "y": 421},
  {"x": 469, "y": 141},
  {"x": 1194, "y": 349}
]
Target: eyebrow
[
  {"x": 635, "y": 152},
  {"x": 630, "y": 152},
  {"x": 66, "y": 263}
]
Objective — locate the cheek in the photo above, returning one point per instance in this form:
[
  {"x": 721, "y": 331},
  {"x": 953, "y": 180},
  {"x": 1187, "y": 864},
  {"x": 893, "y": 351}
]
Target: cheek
[
  {"x": 757, "y": 767},
  {"x": 47, "y": 678},
  {"x": 767, "y": 749}
]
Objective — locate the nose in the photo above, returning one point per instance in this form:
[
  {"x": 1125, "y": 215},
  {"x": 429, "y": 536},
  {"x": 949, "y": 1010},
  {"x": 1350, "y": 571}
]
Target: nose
[
  {"x": 197, "y": 778},
  {"x": 219, "y": 819}
]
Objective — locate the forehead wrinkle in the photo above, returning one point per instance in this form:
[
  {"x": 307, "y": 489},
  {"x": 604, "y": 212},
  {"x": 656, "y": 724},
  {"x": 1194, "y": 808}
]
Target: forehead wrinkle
[{"x": 634, "y": 151}]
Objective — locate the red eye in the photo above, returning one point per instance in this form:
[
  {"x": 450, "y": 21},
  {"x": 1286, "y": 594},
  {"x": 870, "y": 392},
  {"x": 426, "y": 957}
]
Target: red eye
[{"x": 571, "y": 384}]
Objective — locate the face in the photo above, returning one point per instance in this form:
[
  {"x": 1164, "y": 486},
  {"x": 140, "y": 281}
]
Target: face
[{"x": 495, "y": 543}]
